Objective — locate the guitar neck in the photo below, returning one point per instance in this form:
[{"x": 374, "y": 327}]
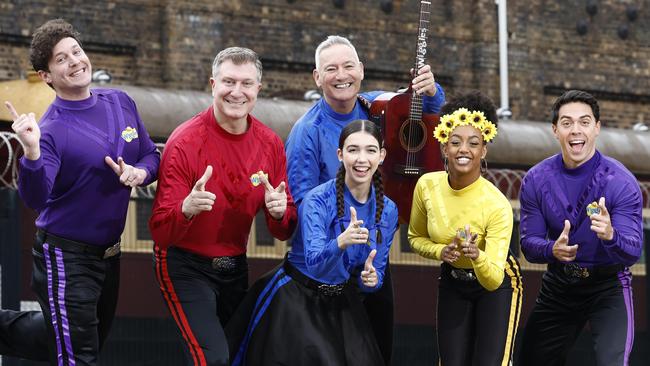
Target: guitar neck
[{"x": 420, "y": 53}]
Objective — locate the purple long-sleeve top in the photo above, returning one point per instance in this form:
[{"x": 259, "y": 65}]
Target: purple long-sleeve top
[
  {"x": 551, "y": 193},
  {"x": 76, "y": 194}
]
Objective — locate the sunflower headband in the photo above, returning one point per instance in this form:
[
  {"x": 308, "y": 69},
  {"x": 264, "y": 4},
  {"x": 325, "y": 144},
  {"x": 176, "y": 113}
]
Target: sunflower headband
[{"x": 463, "y": 117}]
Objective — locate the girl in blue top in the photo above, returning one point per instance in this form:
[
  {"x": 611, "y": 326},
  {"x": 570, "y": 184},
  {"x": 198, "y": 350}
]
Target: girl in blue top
[{"x": 307, "y": 311}]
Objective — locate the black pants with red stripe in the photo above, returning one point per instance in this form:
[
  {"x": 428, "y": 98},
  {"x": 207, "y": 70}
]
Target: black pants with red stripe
[
  {"x": 476, "y": 326},
  {"x": 201, "y": 300},
  {"x": 77, "y": 293}
]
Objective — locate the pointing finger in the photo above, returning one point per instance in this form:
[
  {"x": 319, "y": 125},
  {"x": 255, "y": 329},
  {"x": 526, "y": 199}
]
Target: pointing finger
[
  {"x": 112, "y": 164},
  {"x": 120, "y": 161},
  {"x": 353, "y": 214},
  {"x": 371, "y": 257},
  {"x": 200, "y": 184},
  {"x": 12, "y": 110},
  {"x": 266, "y": 182}
]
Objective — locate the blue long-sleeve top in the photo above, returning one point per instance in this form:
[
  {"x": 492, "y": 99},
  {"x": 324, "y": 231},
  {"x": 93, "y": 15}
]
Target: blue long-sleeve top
[
  {"x": 312, "y": 143},
  {"x": 77, "y": 195},
  {"x": 551, "y": 193},
  {"x": 314, "y": 250}
]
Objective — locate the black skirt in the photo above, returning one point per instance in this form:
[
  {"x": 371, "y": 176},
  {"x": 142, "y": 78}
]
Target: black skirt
[{"x": 285, "y": 319}]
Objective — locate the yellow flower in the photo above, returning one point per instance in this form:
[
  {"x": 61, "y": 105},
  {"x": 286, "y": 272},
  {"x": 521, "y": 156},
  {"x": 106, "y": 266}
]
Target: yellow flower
[
  {"x": 447, "y": 120},
  {"x": 441, "y": 133},
  {"x": 461, "y": 116},
  {"x": 489, "y": 131},
  {"x": 477, "y": 119}
]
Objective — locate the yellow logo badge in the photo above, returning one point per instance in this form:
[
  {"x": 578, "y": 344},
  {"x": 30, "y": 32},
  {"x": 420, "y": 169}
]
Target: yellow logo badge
[
  {"x": 129, "y": 134},
  {"x": 255, "y": 178}
]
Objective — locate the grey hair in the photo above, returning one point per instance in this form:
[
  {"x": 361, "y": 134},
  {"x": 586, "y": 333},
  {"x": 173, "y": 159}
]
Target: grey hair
[
  {"x": 238, "y": 56},
  {"x": 332, "y": 41}
]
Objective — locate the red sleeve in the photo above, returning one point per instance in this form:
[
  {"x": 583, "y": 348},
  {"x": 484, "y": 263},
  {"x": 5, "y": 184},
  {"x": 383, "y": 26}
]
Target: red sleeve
[
  {"x": 168, "y": 225},
  {"x": 281, "y": 229}
]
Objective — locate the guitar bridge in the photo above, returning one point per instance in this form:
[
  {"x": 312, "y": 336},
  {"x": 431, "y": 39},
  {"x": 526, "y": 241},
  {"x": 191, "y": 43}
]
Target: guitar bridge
[{"x": 408, "y": 171}]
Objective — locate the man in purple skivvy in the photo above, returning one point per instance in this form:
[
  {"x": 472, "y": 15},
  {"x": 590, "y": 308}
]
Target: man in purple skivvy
[
  {"x": 81, "y": 162},
  {"x": 581, "y": 212}
]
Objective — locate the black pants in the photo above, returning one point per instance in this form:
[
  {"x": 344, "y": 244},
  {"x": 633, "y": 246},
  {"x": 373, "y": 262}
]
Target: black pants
[
  {"x": 201, "y": 300},
  {"x": 379, "y": 307},
  {"x": 476, "y": 326},
  {"x": 77, "y": 290},
  {"x": 565, "y": 305}
]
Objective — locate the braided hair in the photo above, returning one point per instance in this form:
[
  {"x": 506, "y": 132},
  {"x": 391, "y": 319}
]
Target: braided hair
[{"x": 372, "y": 129}]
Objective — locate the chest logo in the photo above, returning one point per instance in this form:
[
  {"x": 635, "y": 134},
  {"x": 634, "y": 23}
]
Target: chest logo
[
  {"x": 129, "y": 134},
  {"x": 593, "y": 209},
  {"x": 255, "y": 178}
]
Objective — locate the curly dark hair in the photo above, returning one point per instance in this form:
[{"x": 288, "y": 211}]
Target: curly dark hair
[
  {"x": 44, "y": 40},
  {"x": 575, "y": 96},
  {"x": 473, "y": 100}
]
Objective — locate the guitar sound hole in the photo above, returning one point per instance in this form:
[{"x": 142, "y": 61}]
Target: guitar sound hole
[{"x": 412, "y": 135}]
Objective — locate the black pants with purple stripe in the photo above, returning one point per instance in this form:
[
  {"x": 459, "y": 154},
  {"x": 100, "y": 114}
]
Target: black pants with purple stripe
[
  {"x": 201, "y": 300},
  {"x": 77, "y": 293},
  {"x": 565, "y": 305}
]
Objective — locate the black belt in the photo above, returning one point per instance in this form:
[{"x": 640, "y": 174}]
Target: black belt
[
  {"x": 322, "y": 288},
  {"x": 224, "y": 264},
  {"x": 460, "y": 274},
  {"x": 576, "y": 271},
  {"x": 68, "y": 245}
]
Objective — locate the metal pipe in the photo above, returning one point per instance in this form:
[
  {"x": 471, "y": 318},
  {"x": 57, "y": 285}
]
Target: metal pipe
[{"x": 504, "y": 111}]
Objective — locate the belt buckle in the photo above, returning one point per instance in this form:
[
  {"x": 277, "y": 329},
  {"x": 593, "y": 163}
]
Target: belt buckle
[
  {"x": 574, "y": 270},
  {"x": 330, "y": 290},
  {"x": 224, "y": 264},
  {"x": 112, "y": 251},
  {"x": 462, "y": 275}
]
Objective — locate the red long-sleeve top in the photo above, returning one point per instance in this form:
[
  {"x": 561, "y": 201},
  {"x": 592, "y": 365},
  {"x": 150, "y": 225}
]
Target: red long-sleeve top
[{"x": 235, "y": 160}]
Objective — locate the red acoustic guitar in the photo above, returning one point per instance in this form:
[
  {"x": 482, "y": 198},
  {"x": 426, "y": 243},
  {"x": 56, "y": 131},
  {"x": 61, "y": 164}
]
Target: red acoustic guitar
[{"x": 408, "y": 134}]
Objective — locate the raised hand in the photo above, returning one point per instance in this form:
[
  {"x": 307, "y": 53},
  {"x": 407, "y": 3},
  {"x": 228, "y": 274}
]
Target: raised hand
[
  {"x": 561, "y": 249},
  {"x": 129, "y": 175},
  {"x": 354, "y": 234},
  {"x": 468, "y": 244},
  {"x": 424, "y": 82},
  {"x": 274, "y": 198},
  {"x": 199, "y": 199},
  {"x": 369, "y": 274},
  {"x": 27, "y": 131},
  {"x": 601, "y": 223}
]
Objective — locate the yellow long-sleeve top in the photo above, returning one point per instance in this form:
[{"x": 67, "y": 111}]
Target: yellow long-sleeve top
[{"x": 438, "y": 212}]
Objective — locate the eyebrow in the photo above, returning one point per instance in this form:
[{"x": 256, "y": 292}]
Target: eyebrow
[{"x": 581, "y": 117}]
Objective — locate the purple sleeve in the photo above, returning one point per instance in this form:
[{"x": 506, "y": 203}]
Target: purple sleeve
[
  {"x": 149, "y": 158},
  {"x": 36, "y": 177},
  {"x": 627, "y": 220},
  {"x": 532, "y": 225}
]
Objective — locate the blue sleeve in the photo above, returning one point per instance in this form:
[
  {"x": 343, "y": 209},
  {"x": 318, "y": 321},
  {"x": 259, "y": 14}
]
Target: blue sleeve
[
  {"x": 388, "y": 228},
  {"x": 303, "y": 166},
  {"x": 532, "y": 225},
  {"x": 36, "y": 177},
  {"x": 322, "y": 254},
  {"x": 434, "y": 103},
  {"x": 626, "y": 214}
]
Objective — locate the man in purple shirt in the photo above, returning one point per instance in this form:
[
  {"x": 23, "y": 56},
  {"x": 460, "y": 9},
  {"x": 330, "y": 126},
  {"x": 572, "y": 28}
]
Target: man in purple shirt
[
  {"x": 581, "y": 212},
  {"x": 81, "y": 162}
]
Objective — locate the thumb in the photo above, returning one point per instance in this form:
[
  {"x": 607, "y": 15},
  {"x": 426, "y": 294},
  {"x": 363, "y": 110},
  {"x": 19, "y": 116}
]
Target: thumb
[
  {"x": 121, "y": 162},
  {"x": 601, "y": 204},
  {"x": 281, "y": 187},
  {"x": 265, "y": 181},
  {"x": 371, "y": 257},
  {"x": 353, "y": 214},
  {"x": 12, "y": 110},
  {"x": 109, "y": 161},
  {"x": 200, "y": 184},
  {"x": 567, "y": 227}
]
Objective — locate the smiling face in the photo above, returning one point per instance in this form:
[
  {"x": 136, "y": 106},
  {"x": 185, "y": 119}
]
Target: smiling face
[
  {"x": 361, "y": 156},
  {"x": 576, "y": 130},
  {"x": 69, "y": 70},
  {"x": 464, "y": 152},
  {"x": 339, "y": 75},
  {"x": 234, "y": 89}
]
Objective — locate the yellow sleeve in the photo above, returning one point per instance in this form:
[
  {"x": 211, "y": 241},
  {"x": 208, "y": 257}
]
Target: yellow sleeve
[
  {"x": 418, "y": 233},
  {"x": 490, "y": 264}
]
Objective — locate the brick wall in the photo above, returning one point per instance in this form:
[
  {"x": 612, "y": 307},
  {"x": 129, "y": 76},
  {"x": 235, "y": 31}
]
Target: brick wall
[{"x": 171, "y": 44}]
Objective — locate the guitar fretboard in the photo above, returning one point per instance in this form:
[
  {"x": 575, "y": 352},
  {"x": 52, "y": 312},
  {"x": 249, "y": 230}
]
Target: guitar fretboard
[{"x": 420, "y": 53}]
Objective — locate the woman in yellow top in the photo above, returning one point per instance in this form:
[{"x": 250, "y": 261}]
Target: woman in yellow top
[{"x": 463, "y": 220}]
